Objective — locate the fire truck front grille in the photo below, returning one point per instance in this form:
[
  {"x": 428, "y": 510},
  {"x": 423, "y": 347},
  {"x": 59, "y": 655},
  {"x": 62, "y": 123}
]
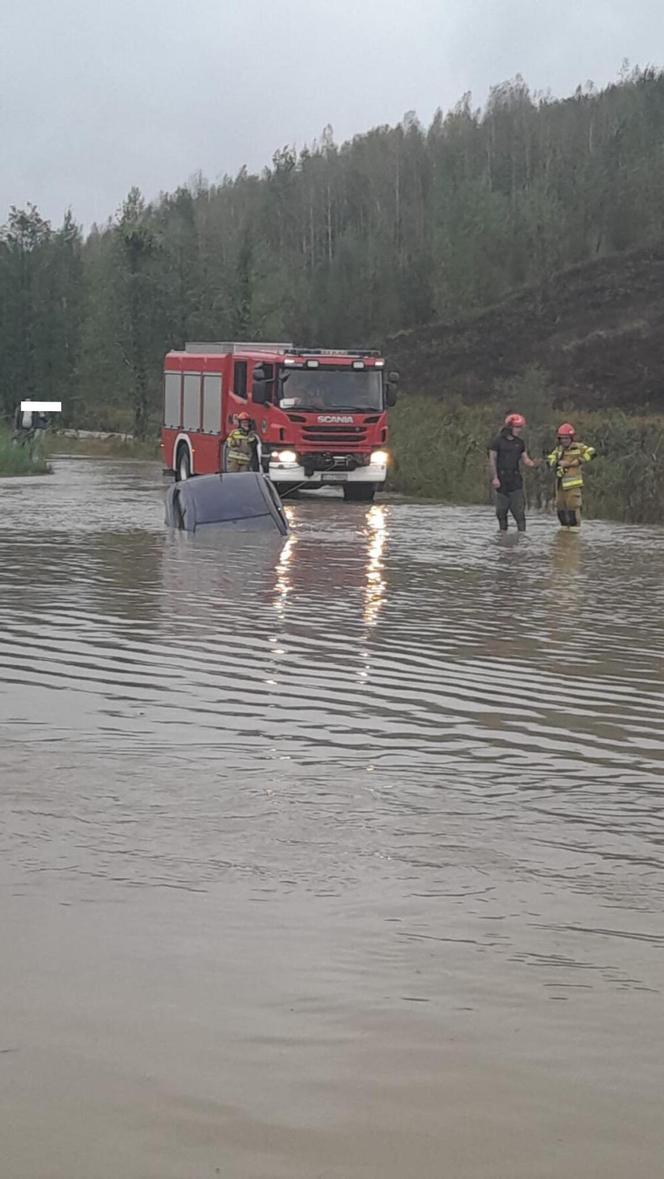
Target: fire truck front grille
[{"x": 346, "y": 436}]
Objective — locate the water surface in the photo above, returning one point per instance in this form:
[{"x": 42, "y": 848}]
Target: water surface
[{"x": 339, "y": 855}]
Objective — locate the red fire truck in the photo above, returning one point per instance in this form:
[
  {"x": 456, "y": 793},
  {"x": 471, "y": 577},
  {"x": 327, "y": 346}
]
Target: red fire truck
[{"x": 320, "y": 414}]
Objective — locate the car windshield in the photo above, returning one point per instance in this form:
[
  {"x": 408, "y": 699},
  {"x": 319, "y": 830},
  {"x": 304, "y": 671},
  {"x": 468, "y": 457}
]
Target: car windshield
[{"x": 332, "y": 389}]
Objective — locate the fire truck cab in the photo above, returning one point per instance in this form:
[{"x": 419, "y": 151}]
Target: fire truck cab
[{"x": 320, "y": 414}]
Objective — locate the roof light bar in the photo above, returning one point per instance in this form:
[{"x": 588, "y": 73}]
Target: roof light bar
[{"x": 334, "y": 351}]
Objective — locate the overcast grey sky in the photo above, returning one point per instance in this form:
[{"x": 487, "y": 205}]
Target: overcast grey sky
[{"x": 95, "y": 97}]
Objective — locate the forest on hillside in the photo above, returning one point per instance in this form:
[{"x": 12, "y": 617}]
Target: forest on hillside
[{"x": 337, "y": 245}]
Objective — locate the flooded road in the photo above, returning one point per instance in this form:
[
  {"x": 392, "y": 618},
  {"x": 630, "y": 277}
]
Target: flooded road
[{"x": 339, "y": 856}]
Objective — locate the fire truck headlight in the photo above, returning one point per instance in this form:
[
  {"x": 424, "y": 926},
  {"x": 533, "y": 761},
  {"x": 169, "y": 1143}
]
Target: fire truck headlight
[
  {"x": 288, "y": 457},
  {"x": 380, "y": 458}
]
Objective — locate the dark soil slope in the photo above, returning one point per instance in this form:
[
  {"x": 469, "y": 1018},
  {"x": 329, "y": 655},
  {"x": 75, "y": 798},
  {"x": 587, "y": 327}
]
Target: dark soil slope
[{"x": 597, "y": 329}]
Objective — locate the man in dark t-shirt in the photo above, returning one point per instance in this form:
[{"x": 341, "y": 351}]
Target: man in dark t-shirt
[{"x": 507, "y": 452}]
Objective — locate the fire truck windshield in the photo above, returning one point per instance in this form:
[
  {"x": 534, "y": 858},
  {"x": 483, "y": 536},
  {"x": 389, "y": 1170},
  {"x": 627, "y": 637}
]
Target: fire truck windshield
[{"x": 332, "y": 389}]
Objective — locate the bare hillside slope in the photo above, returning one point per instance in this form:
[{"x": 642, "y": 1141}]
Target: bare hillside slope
[{"x": 597, "y": 330}]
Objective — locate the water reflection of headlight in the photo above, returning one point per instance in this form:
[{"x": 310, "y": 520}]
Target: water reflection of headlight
[
  {"x": 284, "y": 583},
  {"x": 375, "y": 588}
]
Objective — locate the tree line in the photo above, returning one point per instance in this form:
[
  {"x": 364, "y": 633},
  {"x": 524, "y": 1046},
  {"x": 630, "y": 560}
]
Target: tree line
[{"x": 337, "y": 245}]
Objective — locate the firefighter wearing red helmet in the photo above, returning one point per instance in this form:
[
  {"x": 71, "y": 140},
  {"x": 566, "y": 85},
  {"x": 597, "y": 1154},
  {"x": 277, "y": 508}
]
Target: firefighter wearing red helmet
[
  {"x": 568, "y": 457},
  {"x": 507, "y": 454},
  {"x": 242, "y": 446}
]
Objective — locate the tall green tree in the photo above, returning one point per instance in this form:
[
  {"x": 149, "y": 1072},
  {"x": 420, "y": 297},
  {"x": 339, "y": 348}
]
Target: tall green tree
[
  {"x": 139, "y": 315},
  {"x": 24, "y": 243}
]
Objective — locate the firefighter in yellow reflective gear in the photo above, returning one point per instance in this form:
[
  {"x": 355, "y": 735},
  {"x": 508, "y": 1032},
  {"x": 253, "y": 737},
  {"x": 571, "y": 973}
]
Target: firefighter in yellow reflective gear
[
  {"x": 242, "y": 446},
  {"x": 568, "y": 458}
]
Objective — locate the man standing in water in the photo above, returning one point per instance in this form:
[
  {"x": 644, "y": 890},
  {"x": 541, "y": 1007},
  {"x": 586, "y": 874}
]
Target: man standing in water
[{"x": 506, "y": 453}]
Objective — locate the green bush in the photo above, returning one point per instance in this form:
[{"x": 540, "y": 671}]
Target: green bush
[{"x": 20, "y": 460}]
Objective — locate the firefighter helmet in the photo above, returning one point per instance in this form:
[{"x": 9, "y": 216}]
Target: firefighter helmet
[
  {"x": 515, "y": 419},
  {"x": 243, "y": 417},
  {"x": 566, "y": 430}
]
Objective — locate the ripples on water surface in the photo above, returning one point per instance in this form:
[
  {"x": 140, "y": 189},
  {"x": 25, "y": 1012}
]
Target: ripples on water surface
[{"x": 394, "y": 757}]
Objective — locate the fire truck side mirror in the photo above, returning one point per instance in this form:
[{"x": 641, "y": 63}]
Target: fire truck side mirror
[{"x": 391, "y": 390}]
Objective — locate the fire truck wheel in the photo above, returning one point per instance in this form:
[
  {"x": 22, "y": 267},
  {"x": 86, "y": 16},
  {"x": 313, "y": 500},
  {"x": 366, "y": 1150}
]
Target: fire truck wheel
[
  {"x": 362, "y": 493},
  {"x": 182, "y": 465}
]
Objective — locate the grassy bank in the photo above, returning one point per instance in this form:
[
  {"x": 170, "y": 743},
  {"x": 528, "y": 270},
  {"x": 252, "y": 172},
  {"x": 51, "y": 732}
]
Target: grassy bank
[
  {"x": 19, "y": 460},
  {"x": 440, "y": 451}
]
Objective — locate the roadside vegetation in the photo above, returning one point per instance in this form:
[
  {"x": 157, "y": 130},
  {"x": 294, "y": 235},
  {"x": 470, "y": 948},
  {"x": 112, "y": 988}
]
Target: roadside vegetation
[
  {"x": 20, "y": 460},
  {"x": 440, "y": 451}
]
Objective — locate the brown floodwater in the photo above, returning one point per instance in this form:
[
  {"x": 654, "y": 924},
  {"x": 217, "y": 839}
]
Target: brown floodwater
[{"x": 332, "y": 857}]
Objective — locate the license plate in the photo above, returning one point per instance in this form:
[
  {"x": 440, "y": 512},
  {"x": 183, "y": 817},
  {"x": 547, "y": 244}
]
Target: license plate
[{"x": 334, "y": 477}]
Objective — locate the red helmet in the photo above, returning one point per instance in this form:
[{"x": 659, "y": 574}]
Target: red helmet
[
  {"x": 243, "y": 417},
  {"x": 515, "y": 419},
  {"x": 566, "y": 430}
]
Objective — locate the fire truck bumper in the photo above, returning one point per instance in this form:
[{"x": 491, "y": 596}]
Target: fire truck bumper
[{"x": 290, "y": 473}]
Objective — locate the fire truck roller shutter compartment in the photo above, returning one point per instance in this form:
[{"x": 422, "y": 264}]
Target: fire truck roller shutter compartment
[{"x": 245, "y": 501}]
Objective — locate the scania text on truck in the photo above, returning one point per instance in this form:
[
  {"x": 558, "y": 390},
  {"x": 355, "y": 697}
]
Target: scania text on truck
[{"x": 320, "y": 414}]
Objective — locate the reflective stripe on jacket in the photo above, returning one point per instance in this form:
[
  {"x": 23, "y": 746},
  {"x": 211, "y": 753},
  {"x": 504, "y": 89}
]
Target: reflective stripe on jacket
[
  {"x": 568, "y": 461},
  {"x": 241, "y": 446}
]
